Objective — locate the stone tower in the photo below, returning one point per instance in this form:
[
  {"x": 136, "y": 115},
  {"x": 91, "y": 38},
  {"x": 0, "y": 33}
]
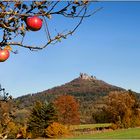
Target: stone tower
[{"x": 86, "y": 76}]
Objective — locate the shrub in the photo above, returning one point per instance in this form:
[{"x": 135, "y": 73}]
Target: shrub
[
  {"x": 56, "y": 130},
  {"x": 22, "y": 134},
  {"x": 114, "y": 126},
  {"x": 12, "y": 130}
]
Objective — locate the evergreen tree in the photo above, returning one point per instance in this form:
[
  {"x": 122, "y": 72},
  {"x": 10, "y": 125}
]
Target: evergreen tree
[{"x": 41, "y": 117}]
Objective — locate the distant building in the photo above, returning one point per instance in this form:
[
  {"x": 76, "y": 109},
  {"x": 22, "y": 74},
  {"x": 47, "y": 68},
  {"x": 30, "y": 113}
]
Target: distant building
[{"x": 87, "y": 77}]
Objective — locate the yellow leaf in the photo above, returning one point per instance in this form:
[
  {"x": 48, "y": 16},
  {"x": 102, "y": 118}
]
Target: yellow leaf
[
  {"x": 85, "y": 1},
  {"x": 49, "y": 16},
  {"x": 8, "y": 48},
  {"x": 76, "y": 2}
]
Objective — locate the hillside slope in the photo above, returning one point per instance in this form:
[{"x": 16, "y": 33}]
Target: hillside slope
[{"x": 86, "y": 89}]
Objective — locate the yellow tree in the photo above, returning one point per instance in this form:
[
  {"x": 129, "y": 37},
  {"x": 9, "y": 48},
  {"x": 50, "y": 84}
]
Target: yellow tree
[
  {"x": 121, "y": 108},
  {"x": 8, "y": 129}
]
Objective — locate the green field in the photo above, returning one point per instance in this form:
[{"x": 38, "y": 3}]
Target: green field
[{"x": 131, "y": 133}]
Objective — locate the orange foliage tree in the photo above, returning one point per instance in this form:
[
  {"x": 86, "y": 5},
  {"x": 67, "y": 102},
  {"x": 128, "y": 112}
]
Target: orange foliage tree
[
  {"x": 8, "y": 128},
  {"x": 122, "y": 108},
  {"x": 68, "y": 109}
]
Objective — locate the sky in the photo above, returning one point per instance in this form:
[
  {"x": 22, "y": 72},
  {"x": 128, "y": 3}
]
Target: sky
[{"x": 106, "y": 45}]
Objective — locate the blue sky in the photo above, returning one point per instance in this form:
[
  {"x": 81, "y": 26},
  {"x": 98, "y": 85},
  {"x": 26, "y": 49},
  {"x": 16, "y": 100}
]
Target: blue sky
[{"x": 106, "y": 45}]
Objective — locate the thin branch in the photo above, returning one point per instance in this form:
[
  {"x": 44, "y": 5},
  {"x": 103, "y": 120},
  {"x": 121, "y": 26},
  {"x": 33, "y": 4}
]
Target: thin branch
[
  {"x": 47, "y": 29},
  {"x": 53, "y": 6},
  {"x": 15, "y": 26}
]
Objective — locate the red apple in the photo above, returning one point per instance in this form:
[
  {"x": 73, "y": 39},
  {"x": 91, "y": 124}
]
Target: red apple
[
  {"x": 4, "y": 55},
  {"x": 34, "y": 23}
]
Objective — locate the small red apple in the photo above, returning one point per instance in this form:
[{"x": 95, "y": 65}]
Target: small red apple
[
  {"x": 4, "y": 55},
  {"x": 34, "y": 23}
]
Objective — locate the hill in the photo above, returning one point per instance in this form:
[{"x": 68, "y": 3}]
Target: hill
[{"x": 86, "y": 89}]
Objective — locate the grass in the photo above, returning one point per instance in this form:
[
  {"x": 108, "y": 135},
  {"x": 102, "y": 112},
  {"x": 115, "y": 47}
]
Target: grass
[{"x": 131, "y": 133}]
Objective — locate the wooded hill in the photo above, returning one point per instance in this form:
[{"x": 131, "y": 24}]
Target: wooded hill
[{"x": 86, "y": 89}]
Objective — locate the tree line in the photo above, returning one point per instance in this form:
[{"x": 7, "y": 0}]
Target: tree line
[{"x": 52, "y": 119}]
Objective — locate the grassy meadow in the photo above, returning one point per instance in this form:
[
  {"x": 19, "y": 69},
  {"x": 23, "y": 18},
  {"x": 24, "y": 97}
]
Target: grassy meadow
[{"x": 131, "y": 133}]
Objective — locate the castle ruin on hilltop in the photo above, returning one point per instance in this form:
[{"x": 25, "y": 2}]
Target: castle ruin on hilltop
[{"x": 87, "y": 77}]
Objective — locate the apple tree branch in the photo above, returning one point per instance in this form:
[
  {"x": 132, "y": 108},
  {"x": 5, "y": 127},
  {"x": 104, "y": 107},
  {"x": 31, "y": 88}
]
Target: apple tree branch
[{"x": 13, "y": 15}]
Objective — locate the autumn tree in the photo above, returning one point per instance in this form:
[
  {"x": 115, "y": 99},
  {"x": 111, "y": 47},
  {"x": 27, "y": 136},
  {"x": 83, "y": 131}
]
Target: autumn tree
[
  {"x": 121, "y": 108},
  {"x": 8, "y": 128},
  {"x": 68, "y": 109},
  {"x": 42, "y": 115},
  {"x": 14, "y": 15},
  {"x": 6, "y": 115}
]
